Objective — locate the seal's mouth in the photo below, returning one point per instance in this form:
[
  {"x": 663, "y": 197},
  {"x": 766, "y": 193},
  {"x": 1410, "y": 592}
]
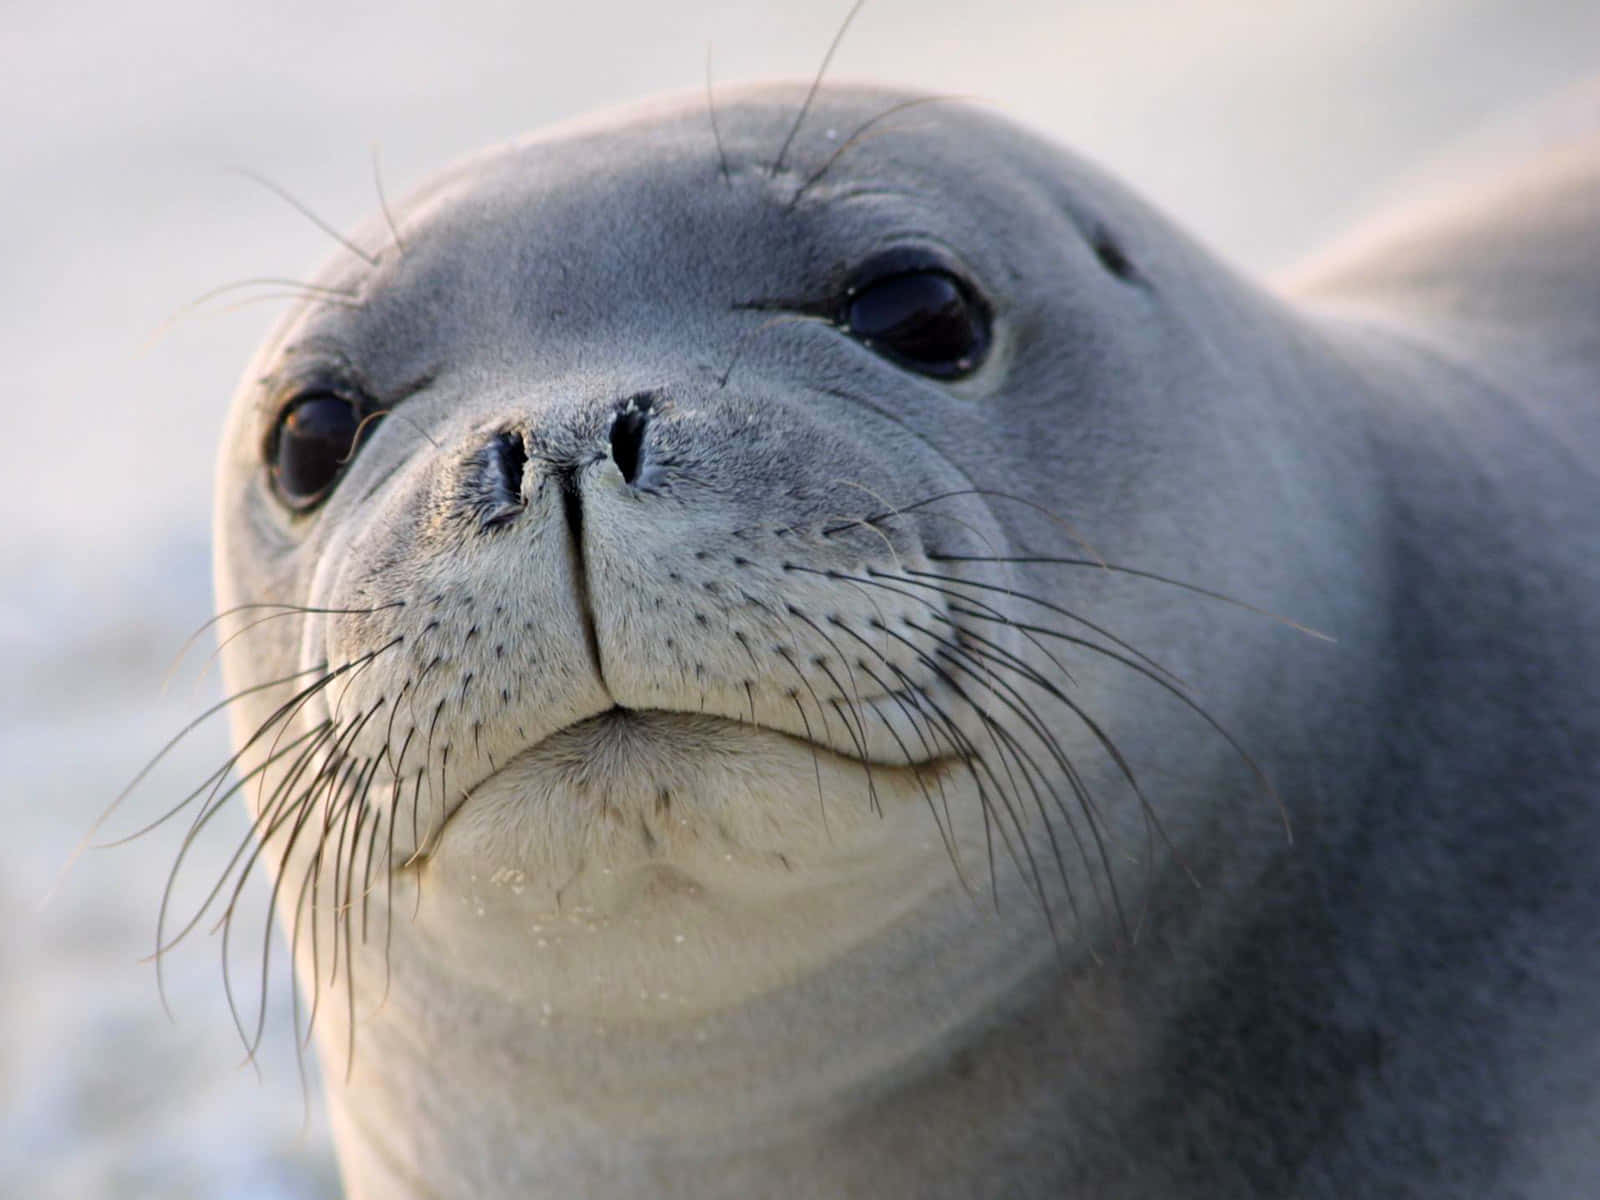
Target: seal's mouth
[
  {"x": 622, "y": 740},
  {"x": 663, "y": 720},
  {"x": 623, "y": 752}
]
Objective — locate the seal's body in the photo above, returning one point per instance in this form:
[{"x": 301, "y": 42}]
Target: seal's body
[{"x": 802, "y": 682}]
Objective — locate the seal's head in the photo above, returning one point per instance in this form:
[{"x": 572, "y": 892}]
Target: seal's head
[{"x": 716, "y": 659}]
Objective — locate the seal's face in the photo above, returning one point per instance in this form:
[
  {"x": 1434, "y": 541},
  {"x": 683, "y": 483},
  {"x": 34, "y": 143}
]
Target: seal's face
[
  {"x": 732, "y": 615},
  {"x": 666, "y": 520}
]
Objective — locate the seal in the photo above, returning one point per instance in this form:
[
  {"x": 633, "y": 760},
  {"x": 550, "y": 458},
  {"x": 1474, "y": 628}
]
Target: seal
[{"x": 824, "y": 648}]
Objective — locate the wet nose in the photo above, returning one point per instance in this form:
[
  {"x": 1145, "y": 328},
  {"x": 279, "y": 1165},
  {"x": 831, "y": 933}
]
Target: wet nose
[{"x": 492, "y": 485}]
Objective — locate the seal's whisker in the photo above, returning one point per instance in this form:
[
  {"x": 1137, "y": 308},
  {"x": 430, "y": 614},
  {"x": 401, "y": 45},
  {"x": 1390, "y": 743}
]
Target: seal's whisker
[
  {"x": 857, "y": 736},
  {"x": 161, "y": 754},
  {"x": 388, "y": 732},
  {"x": 250, "y": 302},
  {"x": 996, "y": 494},
  {"x": 977, "y": 767},
  {"x": 749, "y": 335},
  {"x": 278, "y": 297},
  {"x": 388, "y": 882},
  {"x": 279, "y": 718},
  {"x": 252, "y": 1040},
  {"x": 970, "y": 662},
  {"x": 164, "y": 944},
  {"x": 1004, "y": 793},
  {"x": 716, "y": 131},
  {"x": 288, "y": 611},
  {"x": 294, "y": 290},
  {"x": 337, "y": 810},
  {"x": 282, "y": 805},
  {"x": 349, "y": 997},
  {"x": 447, "y": 813},
  {"x": 822, "y": 665},
  {"x": 1006, "y": 752},
  {"x": 309, "y": 289},
  {"x": 873, "y": 521},
  {"x": 287, "y": 711},
  {"x": 1172, "y": 688},
  {"x": 294, "y": 1000},
  {"x": 417, "y": 851},
  {"x": 353, "y": 675},
  {"x": 285, "y": 804},
  {"x": 351, "y": 804},
  {"x": 354, "y": 804},
  {"x": 1034, "y": 776},
  {"x": 877, "y": 581},
  {"x": 344, "y": 908},
  {"x": 1154, "y": 828},
  {"x": 416, "y": 800},
  {"x": 299, "y": 805},
  {"x": 371, "y": 817},
  {"x": 377, "y": 814},
  {"x": 209, "y": 783},
  {"x": 357, "y": 664},
  {"x": 888, "y": 543},
  {"x": 816, "y": 762},
  {"x": 945, "y": 582},
  {"x": 378, "y": 811},
  {"x": 784, "y": 653},
  {"x": 411, "y": 704},
  {"x": 1151, "y": 575},
  {"x": 945, "y": 828},
  {"x": 305, "y": 211},
  {"x": 850, "y": 524},
  {"x": 962, "y": 658},
  {"x": 859, "y": 136},
  {"x": 283, "y": 609},
  {"x": 314, "y": 874},
  {"x": 379, "y": 414},
  {"x": 214, "y": 806},
  {"x": 816, "y": 82},
  {"x": 315, "y": 971},
  {"x": 971, "y": 642},
  {"x": 446, "y": 810},
  {"x": 1152, "y": 820},
  {"x": 383, "y": 201}
]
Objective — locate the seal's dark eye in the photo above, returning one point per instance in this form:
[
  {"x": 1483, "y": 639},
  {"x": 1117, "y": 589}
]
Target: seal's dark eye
[
  {"x": 314, "y": 439},
  {"x": 925, "y": 320}
]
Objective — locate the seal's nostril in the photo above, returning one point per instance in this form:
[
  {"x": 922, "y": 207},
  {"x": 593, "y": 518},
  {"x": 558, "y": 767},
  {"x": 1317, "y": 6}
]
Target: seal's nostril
[
  {"x": 627, "y": 434},
  {"x": 493, "y": 486},
  {"x": 513, "y": 458}
]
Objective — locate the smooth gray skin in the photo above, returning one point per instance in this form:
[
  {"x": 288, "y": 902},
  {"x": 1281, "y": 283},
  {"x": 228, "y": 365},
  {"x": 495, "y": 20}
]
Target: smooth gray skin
[{"x": 683, "y": 952}]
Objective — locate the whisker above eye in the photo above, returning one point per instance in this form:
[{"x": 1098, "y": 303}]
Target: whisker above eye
[{"x": 304, "y": 210}]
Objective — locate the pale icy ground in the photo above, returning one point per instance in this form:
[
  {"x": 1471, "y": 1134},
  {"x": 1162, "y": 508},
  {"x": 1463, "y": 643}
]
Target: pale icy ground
[{"x": 1265, "y": 126}]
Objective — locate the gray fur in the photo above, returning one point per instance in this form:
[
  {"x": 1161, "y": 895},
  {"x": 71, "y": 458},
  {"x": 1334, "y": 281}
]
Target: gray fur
[{"x": 685, "y": 953}]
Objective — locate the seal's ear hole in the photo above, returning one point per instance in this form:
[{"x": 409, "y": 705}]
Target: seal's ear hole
[{"x": 1112, "y": 258}]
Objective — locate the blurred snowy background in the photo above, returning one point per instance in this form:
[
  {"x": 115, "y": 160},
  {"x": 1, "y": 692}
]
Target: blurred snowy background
[{"x": 1264, "y": 125}]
